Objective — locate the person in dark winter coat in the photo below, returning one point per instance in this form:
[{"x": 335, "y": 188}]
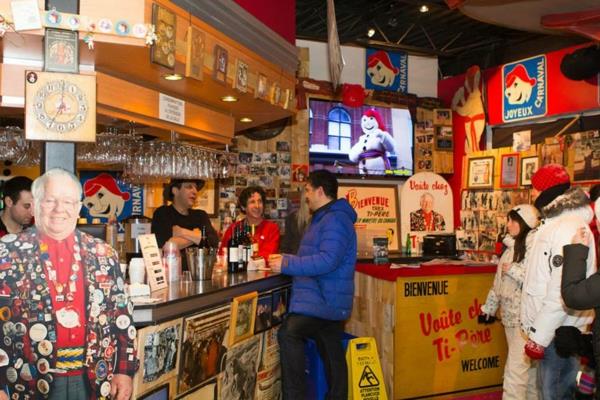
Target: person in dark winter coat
[
  {"x": 579, "y": 292},
  {"x": 322, "y": 289}
]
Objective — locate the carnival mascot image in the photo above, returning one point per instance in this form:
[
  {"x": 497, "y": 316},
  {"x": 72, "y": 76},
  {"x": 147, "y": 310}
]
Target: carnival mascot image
[
  {"x": 370, "y": 153},
  {"x": 468, "y": 104},
  {"x": 103, "y": 198}
]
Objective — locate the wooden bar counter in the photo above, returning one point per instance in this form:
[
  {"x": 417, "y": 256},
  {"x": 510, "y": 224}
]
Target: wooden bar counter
[{"x": 425, "y": 323}]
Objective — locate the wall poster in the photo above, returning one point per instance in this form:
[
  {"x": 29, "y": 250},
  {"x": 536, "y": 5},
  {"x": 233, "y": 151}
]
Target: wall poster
[
  {"x": 427, "y": 200},
  {"x": 378, "y": 213}
]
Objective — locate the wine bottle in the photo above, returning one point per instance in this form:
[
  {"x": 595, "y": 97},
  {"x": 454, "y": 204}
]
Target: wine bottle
[
  {"x": 254, "y": 241},
  {"x": 232, "y": 252},
  {"x": 241, "y": 248},
  {"x": 248, "y": 244},
  {"x": 203, "y": 241}
]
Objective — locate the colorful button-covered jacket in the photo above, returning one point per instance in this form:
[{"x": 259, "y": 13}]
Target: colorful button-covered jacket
[{"x": 28, "y": 361}]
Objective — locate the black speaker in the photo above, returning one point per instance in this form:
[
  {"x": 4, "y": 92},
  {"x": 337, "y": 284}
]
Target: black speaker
[{"x": 582, "y": 63}]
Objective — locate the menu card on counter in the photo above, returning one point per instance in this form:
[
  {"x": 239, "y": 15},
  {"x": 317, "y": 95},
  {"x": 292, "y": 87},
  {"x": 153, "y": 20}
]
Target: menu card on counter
[{"x": 155, "y": 270}]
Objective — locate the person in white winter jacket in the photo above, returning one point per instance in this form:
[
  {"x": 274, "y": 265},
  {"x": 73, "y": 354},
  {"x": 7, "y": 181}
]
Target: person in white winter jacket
[
  {"x": 519, "y": 374},
  {"x": 564, "y": 210}
]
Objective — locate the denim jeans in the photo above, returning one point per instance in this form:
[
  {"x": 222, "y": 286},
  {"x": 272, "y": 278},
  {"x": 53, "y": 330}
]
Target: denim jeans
[
  {"x": 328, "y": 338},
  {"x": 69, "y": 388},
  {"x": 557, "y": 375}
]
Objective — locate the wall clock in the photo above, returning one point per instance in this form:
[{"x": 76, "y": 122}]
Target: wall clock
[{"x": 60, "y": 107}]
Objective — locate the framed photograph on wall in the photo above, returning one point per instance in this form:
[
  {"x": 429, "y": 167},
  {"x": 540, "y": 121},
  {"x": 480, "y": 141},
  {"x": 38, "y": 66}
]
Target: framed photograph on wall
[
  {"x": 529, "y": 165},
  {"x": 159, "y": 352},
  {"x": 480, "y": 173},
  {"x": 443, "y": 138},
  {"x": 194, "y": 62},
  {"x": 203, "y": 333},
  {"x": 241, "y": 76},
  {"x": 279, "y": 307},
  {"x": 220, "y": 65},
  {"x": 163, "y": 49},
  {"x": 509, "y": 171},
  {"x": 442, "y": 116},
  {"x": 264, "y": 309},
  {"x": 61, "y": 51},
  {"x": 243, "y": 313},
  {"x": 261, "y": 87}
]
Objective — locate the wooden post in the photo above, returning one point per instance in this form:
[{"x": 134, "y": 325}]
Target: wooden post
[{"x": 60, "y": 154}]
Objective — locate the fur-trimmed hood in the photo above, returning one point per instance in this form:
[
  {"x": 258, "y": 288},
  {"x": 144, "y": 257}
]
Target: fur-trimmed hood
[{"x": 573, "y": 199}]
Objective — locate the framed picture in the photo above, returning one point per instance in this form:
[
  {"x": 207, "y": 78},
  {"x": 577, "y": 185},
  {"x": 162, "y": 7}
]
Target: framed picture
[
  {"x": 480, "y": 173},
  {"x": 529, "y": 165},
  {"x": 158, "y": 351},
  {"x": 551, "y": 153},
  {"x": 61, "y": 51},
  {"x": 159, "y": 393},
  {"x": 443, "y": 138},
  {"x": 261, "y": 87},
  {"x": 194, "y": 53},
  {"x": 220, "y": 65},
  {"x": 163, "y": 49},
  {"x": 207, "y": 198},
  {"x": 442, "y": 116},
  {"x": 275, "y": 94},
  {"x": 509, "y": 171},
  {"x": 238, "y": 380},
  {"x": 243, "y": 313},
  {"x": 280, "y": 306},
  {"x": 241, "y": 76},
  {"x": 264, "y": 309},
  {"x": 203, "y": 350}
]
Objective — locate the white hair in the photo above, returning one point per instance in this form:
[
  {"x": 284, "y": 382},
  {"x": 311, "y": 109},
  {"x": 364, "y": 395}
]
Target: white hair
[{"x": 38, "y": 187}]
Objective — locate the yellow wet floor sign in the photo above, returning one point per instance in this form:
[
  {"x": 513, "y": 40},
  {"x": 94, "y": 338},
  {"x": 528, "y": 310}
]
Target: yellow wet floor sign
[{"x": 364, "y": 370}]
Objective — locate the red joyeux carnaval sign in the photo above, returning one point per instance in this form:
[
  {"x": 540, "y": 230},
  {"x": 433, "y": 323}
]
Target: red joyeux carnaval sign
[{"x": 564, "y": 96}]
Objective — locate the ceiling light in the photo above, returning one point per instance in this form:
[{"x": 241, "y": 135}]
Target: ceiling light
[
  {"x": 371, "y": 32},
  {"x": 229, "y": 99},
  {"x": 173, "y": 77},
  {"x": 424, "y": 8},
  {"x": 245, "y": 119}
]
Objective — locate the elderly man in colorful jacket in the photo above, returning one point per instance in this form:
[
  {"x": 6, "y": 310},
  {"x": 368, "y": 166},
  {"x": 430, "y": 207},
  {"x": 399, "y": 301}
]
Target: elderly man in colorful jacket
[
  {"x": 322, "y": 288},
  {"x": 67, "y": 329}
]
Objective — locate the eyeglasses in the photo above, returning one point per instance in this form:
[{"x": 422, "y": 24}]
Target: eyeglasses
[{"x": 51, "y": 203}]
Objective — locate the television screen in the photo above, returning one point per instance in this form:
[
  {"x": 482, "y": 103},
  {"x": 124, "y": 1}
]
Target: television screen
[{"x": 367, "y": 140}]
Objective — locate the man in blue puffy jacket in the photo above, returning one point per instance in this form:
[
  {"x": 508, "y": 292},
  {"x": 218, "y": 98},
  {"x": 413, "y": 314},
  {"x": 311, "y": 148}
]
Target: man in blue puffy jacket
[{"x": 322, "y": 289}]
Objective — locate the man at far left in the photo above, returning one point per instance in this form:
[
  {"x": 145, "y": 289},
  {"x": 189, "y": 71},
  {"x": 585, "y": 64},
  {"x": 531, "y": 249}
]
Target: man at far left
[{"x": 18, "y": 208}]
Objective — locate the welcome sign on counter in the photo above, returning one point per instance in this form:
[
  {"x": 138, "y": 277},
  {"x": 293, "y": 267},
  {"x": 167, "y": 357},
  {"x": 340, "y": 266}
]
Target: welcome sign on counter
[{"x": 440, "y": 347}]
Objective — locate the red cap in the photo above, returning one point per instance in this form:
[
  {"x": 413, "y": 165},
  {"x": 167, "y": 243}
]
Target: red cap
[
  {"x": 384, "y": 58},
  {"x": 548, "y": 176}
]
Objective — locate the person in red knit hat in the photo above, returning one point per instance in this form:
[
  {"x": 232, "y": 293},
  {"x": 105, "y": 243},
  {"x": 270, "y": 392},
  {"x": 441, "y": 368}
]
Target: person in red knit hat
[{"x": 565, "y": 211}]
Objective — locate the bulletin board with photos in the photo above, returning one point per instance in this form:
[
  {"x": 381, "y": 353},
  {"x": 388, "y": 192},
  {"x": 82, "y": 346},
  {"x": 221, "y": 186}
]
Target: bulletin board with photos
[
  {"x": 434, "y": 141},
  {"x": 483, "y": 219},
  {"x": 268, "y": 170}
]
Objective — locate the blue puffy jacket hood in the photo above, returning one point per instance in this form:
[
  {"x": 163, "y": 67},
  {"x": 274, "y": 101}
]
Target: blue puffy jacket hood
[{"x": 323, "y": 270}]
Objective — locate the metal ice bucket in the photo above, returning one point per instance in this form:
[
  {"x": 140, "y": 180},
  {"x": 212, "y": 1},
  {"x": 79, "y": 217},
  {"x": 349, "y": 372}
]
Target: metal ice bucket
[{"x": 200, "y": 262}]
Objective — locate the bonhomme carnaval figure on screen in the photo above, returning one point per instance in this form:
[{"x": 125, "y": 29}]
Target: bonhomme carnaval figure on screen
[{"x": 371, "y": 150}]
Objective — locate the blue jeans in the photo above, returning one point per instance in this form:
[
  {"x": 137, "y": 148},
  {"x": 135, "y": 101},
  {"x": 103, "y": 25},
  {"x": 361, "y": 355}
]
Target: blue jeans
[
  {"x": 69, "y": 388},
  {"x": 328, "y": 338},
  {"x": 556, "y": 375}
]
